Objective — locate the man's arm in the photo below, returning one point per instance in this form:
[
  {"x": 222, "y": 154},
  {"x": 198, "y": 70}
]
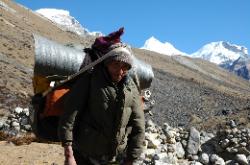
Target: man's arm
[
  {"x": 136, "y": 138},
  {"x": 75, "y": 102}
]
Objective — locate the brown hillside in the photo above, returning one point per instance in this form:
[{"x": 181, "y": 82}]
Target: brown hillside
[
  {"x": 17, "y": 50},
  {"x": 183, "y": 87}
]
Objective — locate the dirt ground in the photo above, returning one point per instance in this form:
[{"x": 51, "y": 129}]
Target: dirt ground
[{"x": 32, "y": 154}]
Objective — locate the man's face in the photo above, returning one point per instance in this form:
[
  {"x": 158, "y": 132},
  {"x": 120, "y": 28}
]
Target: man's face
[{"x": 117, "y": 70}]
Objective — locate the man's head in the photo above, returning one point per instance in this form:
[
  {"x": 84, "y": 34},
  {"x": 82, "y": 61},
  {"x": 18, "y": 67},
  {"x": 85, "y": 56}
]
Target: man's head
[{"x": 119, "y": 62}]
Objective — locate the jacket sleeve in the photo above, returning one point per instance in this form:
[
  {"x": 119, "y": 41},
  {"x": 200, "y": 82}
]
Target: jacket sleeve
[
  {"x": 75, "y": 101},
  {"x": 136, "y": 138}
]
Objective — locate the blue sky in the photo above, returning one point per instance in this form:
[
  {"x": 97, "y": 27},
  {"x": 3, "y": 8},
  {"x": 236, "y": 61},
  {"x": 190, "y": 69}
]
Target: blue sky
[{"x": 187, "y": 24}]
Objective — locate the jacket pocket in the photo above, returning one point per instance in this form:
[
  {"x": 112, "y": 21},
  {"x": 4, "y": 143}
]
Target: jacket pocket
[{"x": 94, "y": 143}]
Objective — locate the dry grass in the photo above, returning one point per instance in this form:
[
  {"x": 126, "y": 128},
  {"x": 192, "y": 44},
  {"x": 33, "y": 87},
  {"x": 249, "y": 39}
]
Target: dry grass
[
  {"x": 18, "y": 45},
  {"x": 26, "y": 139}
]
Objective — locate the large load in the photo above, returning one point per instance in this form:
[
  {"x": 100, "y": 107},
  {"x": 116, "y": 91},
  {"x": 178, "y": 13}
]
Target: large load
[
  {"x": 55, "y": 61},
  {"x": 57, "y": 67}
]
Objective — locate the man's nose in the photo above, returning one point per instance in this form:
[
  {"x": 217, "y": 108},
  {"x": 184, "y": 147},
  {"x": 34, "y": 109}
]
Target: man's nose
[{"x": 121, "y": 71}]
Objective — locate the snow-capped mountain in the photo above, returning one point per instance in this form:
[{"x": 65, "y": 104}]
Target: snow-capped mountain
[
  {"x": 221, "y": 53},
  {"x": 229, "y": 56},
  {"x": 65, "y": 21},
  {"x": 166, "y": 48}
]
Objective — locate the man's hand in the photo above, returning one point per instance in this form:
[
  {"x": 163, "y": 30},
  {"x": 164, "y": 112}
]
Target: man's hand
[{"x": 69, "y": 157}]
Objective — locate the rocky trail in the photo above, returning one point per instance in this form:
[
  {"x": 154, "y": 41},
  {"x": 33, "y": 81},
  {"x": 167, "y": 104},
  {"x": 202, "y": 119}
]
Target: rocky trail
[{"x": 162, "y": 146}]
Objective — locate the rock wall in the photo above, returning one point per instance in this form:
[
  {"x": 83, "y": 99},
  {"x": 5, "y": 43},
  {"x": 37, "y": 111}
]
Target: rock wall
[{"x": 169, "y": 145}]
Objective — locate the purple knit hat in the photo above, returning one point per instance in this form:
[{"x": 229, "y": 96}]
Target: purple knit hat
[
  {"x": 112, "y": 45},
  {"x": 103, "y": 43}
]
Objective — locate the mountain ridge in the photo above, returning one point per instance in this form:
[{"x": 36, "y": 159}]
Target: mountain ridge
[
  {"x": 65, "y": 21},
  {"x": 222, "y": 53}
]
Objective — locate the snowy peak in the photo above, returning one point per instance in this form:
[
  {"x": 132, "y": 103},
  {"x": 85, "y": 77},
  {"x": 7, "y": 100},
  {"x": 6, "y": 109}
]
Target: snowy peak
[
  {"x": 221, "y": 52},
  {"x": 235, "y": 48},
  {"x": 58, "y": 16},
  {"x": 166, "y": 48},
  {"x": 65, "y": 21}
]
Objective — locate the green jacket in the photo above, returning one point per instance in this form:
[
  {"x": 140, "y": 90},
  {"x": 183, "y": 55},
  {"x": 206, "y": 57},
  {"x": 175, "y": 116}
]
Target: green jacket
[{"x": 110, "y": 116}]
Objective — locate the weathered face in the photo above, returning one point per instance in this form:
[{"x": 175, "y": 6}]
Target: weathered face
[{"x": 117, "y": 70}]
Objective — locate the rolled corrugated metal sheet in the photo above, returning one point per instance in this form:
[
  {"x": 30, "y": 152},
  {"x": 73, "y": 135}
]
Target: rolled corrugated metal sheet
[
  {"x": 52, "y": 58},
  {"x": 143, "y": 72}
]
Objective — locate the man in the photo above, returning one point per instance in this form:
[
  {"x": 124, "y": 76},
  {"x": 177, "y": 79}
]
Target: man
[{"x": 103, "y": 115}]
